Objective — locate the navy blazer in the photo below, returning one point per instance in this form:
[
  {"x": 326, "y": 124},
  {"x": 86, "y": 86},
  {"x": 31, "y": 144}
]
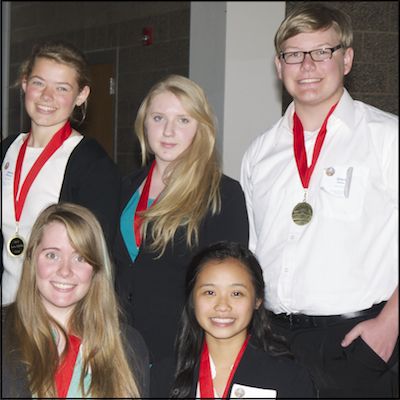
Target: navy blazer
[
  {"x": 151, "y": 290},
  {"x": 259, "y": 375}
]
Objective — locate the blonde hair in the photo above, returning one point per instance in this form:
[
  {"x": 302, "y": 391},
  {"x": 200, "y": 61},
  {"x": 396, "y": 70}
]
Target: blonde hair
[
  {"x": 314, "y": 17},
  {"x": 94, "y": 318},
  {"x": 192, "y": 180}
]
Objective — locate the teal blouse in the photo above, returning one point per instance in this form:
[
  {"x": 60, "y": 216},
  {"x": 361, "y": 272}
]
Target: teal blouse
[{"x": 126, "y": 224}]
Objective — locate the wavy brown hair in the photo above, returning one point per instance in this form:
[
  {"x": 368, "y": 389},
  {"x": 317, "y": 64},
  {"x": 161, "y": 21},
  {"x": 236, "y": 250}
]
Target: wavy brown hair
[
  {"x": 192, "y": 180},
  {"x": 94, "y": 318}
]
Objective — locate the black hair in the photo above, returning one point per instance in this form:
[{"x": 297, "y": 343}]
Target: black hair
[{"x": 190, "y": 334}]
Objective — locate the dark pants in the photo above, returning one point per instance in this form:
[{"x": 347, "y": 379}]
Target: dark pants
[{"x": 355, "y": 371}]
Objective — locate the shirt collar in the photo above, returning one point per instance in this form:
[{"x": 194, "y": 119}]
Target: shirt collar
[{"x": 344, "y": 112}]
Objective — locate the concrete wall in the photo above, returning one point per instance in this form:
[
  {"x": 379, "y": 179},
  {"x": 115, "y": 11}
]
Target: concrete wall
[{"x": 231, "y": 57}]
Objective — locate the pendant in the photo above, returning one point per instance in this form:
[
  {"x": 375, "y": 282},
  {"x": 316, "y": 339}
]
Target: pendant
[
  {"x": 302, "y": 213},
  {"x": 16, "y": 246}
]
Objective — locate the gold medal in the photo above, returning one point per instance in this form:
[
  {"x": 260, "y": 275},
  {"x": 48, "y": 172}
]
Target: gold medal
[
  {"x": 302, "y": 213},
  {"x": 16, "y": 246}
]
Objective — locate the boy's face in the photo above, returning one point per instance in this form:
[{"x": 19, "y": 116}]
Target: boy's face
[{"x": 314, "y": 83}]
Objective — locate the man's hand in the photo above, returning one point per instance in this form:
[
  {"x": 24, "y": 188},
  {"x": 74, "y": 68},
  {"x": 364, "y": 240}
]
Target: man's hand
[{"x": 380, "y": 333}]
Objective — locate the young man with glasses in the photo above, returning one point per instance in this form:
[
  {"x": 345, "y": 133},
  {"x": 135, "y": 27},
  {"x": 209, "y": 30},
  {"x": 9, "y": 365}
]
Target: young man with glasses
[{"x": 321, "y": 189}]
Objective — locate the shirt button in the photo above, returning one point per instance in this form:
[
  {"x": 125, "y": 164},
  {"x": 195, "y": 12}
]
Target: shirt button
[
  {"x": 330, "y": 171},
  {"x": 239, "y": 393},
  {"x": 286, "y": 269}
]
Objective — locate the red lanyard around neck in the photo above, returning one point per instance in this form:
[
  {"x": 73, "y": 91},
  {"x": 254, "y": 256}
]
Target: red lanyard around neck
[
  {"x": 205, "y": 379},
  {"x": 56, "y": 141},
  {"x": 300, "y": 150},
  {"x": 65, "y": 370},
  {"x": 142, "y": 205}
]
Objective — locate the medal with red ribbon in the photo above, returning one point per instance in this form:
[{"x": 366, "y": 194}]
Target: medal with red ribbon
[
  {"x": 16, "y": 244},
  {"x": 302, "y": 212},
  {"x": 205, "y": 378}
]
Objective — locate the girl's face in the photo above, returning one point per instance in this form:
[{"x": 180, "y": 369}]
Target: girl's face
[
  {"x": 224, "y": 300},
  {"x": 51, "y": 93},
  {"x": 169, "y": 127},
  {"x": 63, "y": 277}
]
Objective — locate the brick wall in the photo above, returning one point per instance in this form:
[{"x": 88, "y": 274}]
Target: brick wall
[
  {"x": 107, "y": 27},
  {"x": 116, "y": 26}
]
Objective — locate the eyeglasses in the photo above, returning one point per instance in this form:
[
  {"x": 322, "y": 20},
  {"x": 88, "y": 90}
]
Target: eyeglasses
[{"x": 318, "y": 55}]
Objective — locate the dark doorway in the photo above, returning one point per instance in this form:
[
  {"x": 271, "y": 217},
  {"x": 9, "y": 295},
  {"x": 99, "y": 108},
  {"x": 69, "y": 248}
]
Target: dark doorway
[{"x": 100, "y": 118}]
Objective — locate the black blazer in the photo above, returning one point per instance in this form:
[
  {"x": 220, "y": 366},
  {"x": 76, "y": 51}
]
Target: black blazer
[
  {"x": 269, "y": 375},
  {"x": 14, "y": 380},
  {"x": 91, "y": 179},
  {"x": 151, "y": 290}
]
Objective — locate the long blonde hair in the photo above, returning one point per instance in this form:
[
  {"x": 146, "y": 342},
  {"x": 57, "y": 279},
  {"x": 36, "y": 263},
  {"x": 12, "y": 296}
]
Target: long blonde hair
[
  {"x": 192, "y": 180},
  {"x": 94, "y": 318}
]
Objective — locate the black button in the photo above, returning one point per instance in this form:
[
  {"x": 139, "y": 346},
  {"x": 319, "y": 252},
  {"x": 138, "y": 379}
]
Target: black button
[{"x": 130, "y": 296}]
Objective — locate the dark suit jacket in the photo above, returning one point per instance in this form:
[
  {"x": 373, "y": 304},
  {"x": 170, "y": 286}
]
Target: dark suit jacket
[
  {"x": 14, "y": 382},
  {"x": 151, "y": 290},
  {"x": 257, "y": 370},
  {"x": 92, "y": 180}
]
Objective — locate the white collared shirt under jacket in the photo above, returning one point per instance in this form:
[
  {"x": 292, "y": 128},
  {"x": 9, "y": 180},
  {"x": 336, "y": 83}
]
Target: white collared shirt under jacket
[{"x": 346, "y": 258}]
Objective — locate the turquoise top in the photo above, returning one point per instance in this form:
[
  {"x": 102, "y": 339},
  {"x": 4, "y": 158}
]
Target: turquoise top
[
  {"x": 74, "y": 391},
  {"x": 126, "y": 224}
]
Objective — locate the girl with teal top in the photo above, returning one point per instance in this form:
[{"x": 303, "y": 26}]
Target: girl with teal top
[
  {"x": 176, "y": 204},
  {"x": 62, "y": 337}
]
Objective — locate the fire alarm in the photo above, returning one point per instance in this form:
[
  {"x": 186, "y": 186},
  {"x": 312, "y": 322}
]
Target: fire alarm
[{"x": 147, "y": 36}]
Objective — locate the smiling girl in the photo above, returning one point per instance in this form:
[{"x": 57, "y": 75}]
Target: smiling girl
[
  {"x": 225, "y": 347},
  {"x": 62, "y": 337},
  {"x": 52, "y": 162}
]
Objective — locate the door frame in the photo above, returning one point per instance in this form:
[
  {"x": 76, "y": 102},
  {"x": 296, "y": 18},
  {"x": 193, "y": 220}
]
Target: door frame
[{"x": 109, "y": 56}]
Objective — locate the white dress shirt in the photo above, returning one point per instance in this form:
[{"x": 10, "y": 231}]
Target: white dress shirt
[{"x": 346, "y": 258}]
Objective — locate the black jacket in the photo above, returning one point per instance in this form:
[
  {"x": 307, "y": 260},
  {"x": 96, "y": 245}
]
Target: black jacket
[
  {"x": 257, "y": 370},
  {"x": 14, "y": 382},
  {"x": 151, "y": 290}
]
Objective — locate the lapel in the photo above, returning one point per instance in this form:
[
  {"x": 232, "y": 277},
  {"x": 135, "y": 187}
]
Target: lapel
[
  {"x": 132, "y": 182},
  {"x": 129, "y": 186},
  {"x": 241, "y": 369},
  {"x": 245, "y": 373}
]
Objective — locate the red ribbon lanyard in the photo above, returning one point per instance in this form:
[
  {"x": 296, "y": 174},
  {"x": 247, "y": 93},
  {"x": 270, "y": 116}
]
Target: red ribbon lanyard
[
  {"x": 142, "y": 205},
  {"x": 64, "y": 371},
  {"x": 56, "y": 141},
  {"x": 205, "y": 379},
  {"x": 300, "y": 150}
]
